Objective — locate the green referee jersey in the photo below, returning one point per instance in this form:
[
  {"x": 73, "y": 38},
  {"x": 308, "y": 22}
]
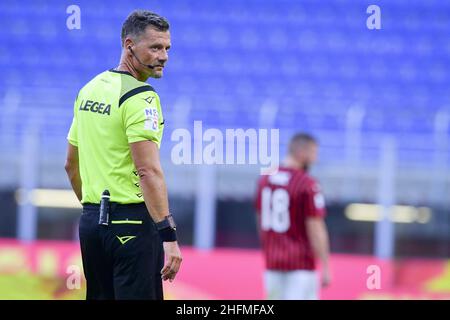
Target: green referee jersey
[{"x": 111, "y": 111}]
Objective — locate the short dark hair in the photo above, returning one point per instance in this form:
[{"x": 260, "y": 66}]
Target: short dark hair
[
  {"x": 300, "y": 139},
  {"x": 139, "y": 20}
]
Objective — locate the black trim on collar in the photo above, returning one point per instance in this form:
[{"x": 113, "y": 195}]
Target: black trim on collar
[{"x": 122, "y": 72}]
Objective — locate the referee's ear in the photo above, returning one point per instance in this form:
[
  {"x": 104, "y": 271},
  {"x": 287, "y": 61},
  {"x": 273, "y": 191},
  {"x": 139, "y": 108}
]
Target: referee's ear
[{"x": 127, "y": 43}]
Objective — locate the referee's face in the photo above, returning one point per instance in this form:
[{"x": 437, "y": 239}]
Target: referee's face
[{"x": 152, "y": 49}]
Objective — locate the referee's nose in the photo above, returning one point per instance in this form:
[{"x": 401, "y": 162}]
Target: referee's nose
[{"x": 163, "y": 57}]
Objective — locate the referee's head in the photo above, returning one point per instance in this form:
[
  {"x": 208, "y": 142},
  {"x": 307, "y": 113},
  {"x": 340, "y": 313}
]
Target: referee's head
[{"x": 145, "y": 43}]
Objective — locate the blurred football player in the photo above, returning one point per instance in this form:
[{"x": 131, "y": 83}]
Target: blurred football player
[{"x": 290, "y": 213}]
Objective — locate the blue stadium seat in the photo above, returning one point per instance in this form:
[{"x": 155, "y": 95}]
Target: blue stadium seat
[{"x": 314, "y": 60}]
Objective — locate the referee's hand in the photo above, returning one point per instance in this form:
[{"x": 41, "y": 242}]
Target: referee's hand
[{"x": 173, "y": 260}]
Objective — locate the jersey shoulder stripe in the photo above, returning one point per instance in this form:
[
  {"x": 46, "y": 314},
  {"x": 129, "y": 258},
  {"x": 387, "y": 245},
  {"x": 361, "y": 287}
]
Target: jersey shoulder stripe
[
  {"x": 129, "y": 85},
  {"x": 133, "y": 92}
]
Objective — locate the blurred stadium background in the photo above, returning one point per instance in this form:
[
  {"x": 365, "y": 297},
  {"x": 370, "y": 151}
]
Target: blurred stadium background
[{"x": 378, "y": 100}]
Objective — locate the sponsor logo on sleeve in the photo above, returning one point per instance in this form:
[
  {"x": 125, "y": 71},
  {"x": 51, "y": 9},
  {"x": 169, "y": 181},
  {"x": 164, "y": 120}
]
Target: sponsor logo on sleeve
[
  {"x": 319, "y": 201},
  {"x": 151, "y": 119}
]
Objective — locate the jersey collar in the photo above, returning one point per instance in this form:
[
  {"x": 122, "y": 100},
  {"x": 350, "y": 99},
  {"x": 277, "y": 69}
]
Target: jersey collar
[{"x": 122, "y": 72}]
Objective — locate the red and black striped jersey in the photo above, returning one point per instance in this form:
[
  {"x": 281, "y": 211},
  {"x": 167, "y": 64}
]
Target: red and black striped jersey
[{"x": 283, "y": 203}]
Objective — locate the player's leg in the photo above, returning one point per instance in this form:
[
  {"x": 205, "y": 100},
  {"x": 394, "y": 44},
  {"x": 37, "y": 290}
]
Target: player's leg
[
  {"x": 137, "y": 253},
  {"x": 314, "y": 286},
  {"x": 301, "y": 285},
  {"x": 97, "y": 268},
  {"x": 273, "y": 283}
]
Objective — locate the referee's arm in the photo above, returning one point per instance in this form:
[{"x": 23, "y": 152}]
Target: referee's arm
[
  {"x": 73, "y": 170},
  {"x": 146, "y": 160}
]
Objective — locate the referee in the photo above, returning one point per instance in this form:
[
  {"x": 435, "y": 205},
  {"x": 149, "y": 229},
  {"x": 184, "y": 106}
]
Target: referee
[{"x": 114, "y": 168}]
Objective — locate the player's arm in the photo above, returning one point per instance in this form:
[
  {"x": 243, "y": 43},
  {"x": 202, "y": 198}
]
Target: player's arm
[
  {"x": 146, "y": 159},
  {"x": 316, "y": 229},
  {"x": 72, "y": 161},
  {"x": 73, "y": 169},
  {"x": 318, "y": 238},
  {"x": 143, "y": 124}
]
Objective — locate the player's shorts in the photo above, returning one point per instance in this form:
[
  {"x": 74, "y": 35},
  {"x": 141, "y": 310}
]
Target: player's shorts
[
  {"x": 122, "y": 260},
  {"x": 291, "y": 285}
]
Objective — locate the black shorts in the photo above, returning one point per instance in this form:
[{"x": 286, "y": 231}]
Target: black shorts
[{"x": 122, "y": 260}]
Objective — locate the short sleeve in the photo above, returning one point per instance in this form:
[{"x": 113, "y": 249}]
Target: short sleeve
[
  {"x": 72, "y": 137},
  {"x": 313, "y": 201},
  {"x": 142, "y": 117}
]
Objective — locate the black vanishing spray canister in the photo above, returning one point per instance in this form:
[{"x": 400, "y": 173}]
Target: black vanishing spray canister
[{"x": 104, "y": 209}]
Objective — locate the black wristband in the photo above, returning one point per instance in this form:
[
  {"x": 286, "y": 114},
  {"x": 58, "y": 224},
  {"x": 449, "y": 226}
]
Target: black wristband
[
  {"x": 168, "y": 222},
  {"x": 167, "y": 234},
  {"x": 167, "y": 229}
]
